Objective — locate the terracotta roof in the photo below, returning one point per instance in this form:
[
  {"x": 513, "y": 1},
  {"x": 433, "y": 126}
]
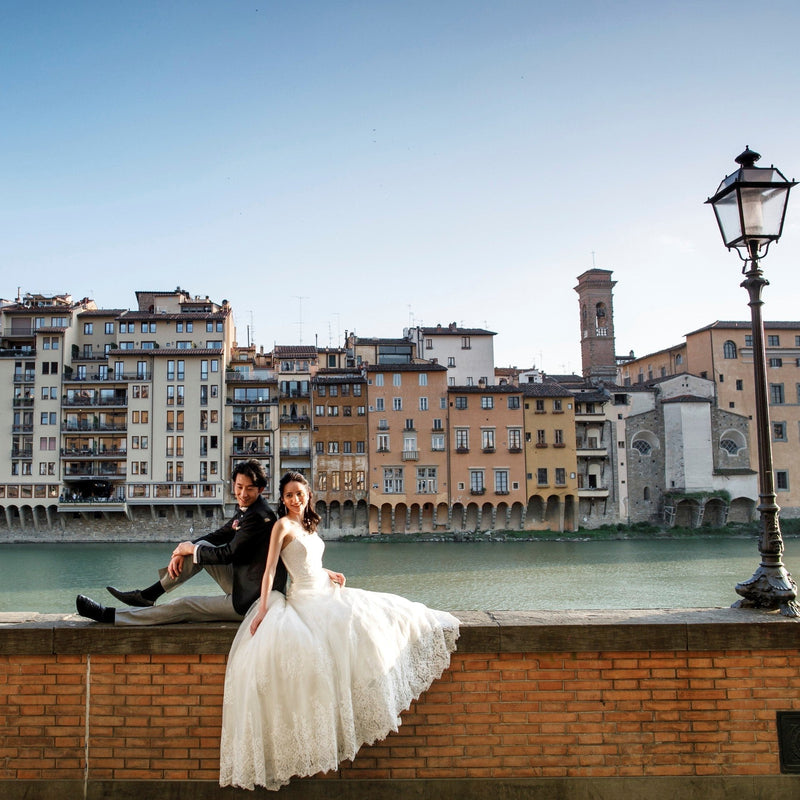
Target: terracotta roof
[{"x": 294, "y": 351}]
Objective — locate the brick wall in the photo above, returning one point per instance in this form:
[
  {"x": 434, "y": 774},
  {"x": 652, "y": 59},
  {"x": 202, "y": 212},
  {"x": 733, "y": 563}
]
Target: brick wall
[{"x": 681, "y": 699}]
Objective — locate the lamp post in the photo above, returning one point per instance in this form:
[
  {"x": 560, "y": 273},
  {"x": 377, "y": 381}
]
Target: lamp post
[{"x": 750, "y": 206}]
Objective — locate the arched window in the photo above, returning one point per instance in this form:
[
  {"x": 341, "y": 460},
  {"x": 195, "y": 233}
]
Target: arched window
[
  {"x": 644, "y": 442},
  {"x": 729, "y": 349},
  {"x": 732, "y": 442}
]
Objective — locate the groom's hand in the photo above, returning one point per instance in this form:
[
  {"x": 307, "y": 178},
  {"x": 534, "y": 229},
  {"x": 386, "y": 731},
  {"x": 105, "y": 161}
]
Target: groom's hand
[{"x": 176, "y": 562}]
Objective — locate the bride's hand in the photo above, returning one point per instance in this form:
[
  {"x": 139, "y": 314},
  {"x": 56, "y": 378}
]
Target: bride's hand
[
  {"x": 337, "y": 578},
  {"x": 257, "y": 620}
]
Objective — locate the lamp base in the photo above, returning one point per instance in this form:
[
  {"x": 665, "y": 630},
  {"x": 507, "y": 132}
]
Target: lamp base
[{"x": 771, "y": 587}]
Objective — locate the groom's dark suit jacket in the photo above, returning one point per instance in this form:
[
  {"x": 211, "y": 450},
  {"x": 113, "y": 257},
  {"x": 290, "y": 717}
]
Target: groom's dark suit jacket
[{"x": 243, "y": 542}]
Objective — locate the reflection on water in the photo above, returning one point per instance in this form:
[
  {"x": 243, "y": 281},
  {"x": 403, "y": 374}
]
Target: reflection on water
[{"x": 679, "y": 573}]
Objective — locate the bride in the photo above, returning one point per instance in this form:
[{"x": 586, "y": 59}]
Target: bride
[{"x": 314, "y": 675}]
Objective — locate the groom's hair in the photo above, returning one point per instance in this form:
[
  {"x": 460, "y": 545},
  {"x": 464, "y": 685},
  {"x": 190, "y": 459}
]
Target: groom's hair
[{"x": 251, "y": 469}]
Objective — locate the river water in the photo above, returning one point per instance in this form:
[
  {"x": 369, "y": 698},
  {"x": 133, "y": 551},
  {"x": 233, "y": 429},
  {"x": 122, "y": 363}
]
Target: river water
[{"x": 481, "y": 576}]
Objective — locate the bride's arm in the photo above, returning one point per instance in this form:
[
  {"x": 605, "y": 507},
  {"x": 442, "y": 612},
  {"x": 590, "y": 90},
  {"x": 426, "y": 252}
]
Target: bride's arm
[{"x": 279, "y": 531}]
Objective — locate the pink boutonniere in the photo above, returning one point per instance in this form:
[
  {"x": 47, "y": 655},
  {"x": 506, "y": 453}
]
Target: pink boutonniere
[{"x": 235, "y": 525}]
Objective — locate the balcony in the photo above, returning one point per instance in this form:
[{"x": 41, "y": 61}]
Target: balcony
[
  {"x": 295, "y": 419},
  {"x": 250, "y": 376},
  {"x": 514, "y": 449},
  {"x": 95, "y": 470},
  {"x": 71, "y": 376},
  {"x": 89, "y": 401},
  {"x": 251, "y": 401},
  {"x": 462, "y": 450},
  {"x": 591, "y": 414},
  {"x": 17, "y": 352},
  {"x": 25, "y": 427},
  {"x": 23, "y": 402},
  {"x": 94, "y": 452},
  {"x": 24, "y": 377},
  {"x": 298, "y": 452},
  {"x": 23, "y": 453},
  {"x": 478, "y": 491},
  {"x": 591, "y": 452},
  {"x": 599, "y": 492},
  {"x": 251, "y": 425},
  {"x": 82, "y": 427},
  {"x": 410, "y": 455},
  {"x": 250, "y": 451},
  {"x": 487, "y": 449}
]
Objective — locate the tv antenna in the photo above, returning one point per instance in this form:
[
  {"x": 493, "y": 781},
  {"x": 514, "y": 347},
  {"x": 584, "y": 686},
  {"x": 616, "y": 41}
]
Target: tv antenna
[{"x": 300, "y": 299}]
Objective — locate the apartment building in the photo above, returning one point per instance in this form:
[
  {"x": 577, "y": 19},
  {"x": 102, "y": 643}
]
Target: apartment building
[
  {"x": 340, "y": 458},
  {"x": 113, "y": 409},
  {"x": 487, "y": 458},
  {"x": 551, "y": 470},
  {"x": 295, "y": 365},
  {"x": 468, "y": 353},
  {"x": 408, "y": 467},
  {"x": 251, "y": 421}
]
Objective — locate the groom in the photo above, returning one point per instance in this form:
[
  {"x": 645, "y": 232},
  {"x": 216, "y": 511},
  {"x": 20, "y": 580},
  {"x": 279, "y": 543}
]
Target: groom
[{"x": 235, "y": 555}]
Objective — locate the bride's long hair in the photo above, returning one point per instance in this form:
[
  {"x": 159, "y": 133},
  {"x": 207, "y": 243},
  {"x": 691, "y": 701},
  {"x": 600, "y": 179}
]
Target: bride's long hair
[{"x": 310, "y": 517}]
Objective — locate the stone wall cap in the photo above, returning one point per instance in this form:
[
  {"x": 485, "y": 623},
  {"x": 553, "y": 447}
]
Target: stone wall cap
[{"x": 681, "y": 629}]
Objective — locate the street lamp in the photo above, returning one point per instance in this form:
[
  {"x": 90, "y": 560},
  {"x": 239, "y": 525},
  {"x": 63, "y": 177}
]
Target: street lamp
[{"x": 750, "y": 205}]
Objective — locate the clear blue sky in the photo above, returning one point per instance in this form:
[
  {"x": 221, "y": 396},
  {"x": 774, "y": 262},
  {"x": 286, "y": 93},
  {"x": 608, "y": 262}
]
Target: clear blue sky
[{"x": 366, "y": 165}]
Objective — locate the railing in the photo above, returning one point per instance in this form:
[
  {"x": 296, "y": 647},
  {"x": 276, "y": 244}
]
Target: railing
[
  {"x": 263, "y": 375},
  {"x": 94, "y": 452},
  {"x": 252, "y": 401},
  {"x": 97, "y": 470},
  {"x": 87, "y": 426},
  {"x": 303, "y": 452},
  {"x": 111, "y": 377},
  {"x": 23, "y": 402},
  {"x": 17, "y": 352},
  {"x": 409, "y": 455},
  {"x": 296, "y": 419},
  {"x": 94, "y": 401},
  {"x": 249, "y": 451}
]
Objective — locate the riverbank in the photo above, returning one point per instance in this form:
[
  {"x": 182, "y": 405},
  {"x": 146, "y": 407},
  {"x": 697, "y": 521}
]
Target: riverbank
[
  {"x": 166, "y": 531},
  {"x": 606, "y": 533}
]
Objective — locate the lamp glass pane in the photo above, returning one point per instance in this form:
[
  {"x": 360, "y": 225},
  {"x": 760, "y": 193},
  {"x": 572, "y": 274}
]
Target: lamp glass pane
[{"x": 727, "y": 211}]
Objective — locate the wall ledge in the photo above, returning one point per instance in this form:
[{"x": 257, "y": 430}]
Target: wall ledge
[{"x": 691, "y": 629}]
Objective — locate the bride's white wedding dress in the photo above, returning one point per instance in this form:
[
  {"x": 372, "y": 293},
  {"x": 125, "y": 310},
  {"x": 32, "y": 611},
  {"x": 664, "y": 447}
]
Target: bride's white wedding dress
[{"x": 329, "y": 669}]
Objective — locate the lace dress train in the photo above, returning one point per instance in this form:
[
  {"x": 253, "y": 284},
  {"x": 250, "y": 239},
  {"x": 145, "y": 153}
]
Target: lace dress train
[{"x": 329, "y": 669}]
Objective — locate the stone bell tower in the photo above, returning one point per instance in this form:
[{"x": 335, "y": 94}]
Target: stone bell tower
[{"x": 595, "y": 297}]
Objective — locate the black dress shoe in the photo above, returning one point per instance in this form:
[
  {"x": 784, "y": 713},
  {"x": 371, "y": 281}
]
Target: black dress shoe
[
  {"x": 132, "y": 598},
  {"x": 89, "y": 608}
]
